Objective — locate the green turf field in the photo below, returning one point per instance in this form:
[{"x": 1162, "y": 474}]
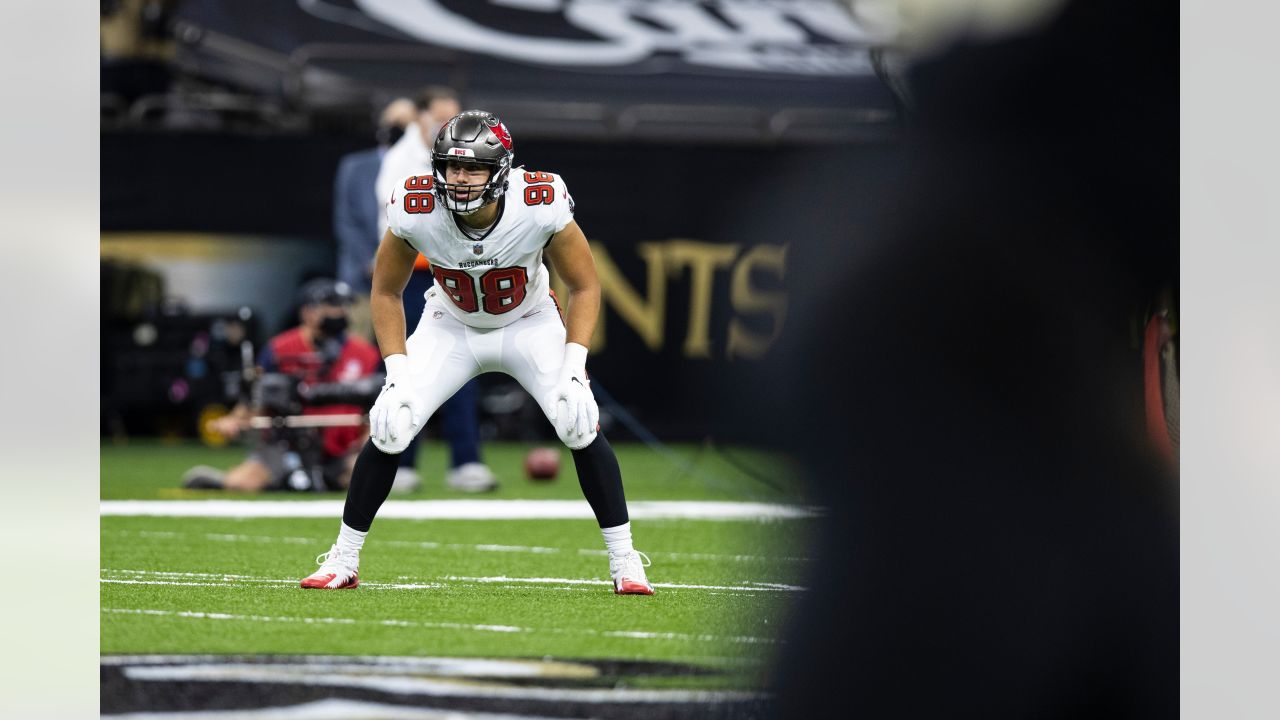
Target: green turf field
[
  {"x": 462, "y": 588},
  {"x": 151, "y": 470}
]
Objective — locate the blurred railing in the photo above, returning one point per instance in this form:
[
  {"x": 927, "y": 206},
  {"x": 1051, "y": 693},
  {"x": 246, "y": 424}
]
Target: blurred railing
[{"x": 325, "y": 85}]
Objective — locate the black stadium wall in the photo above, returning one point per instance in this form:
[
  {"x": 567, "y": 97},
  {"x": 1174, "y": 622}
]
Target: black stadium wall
[{"x": 692, "y": 242}]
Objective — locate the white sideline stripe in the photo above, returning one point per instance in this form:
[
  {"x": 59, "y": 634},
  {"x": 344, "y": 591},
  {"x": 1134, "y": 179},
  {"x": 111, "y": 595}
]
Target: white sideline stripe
[
  {"x": 677, "y": 636},
  {"x": 426, "y": 686},
  {"x": 435, "y": 665},
  {"x": 413, "y": 663},
  {"x": 196, "y": 615},
  {"x": 328, "y": 709},
  {"x": 428, "y": 545},
  {"x": 179, "y": 578},
  {"x": 456, "y": 509}
]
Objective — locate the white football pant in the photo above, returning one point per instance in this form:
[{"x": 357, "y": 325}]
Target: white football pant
[{"x": 444, "y": 354}]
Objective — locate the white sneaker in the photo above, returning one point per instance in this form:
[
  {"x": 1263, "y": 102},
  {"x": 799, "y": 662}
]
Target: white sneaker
[
  {"x": 407, "y": 480},
  {"x": 338, "y": 571},
  {"x": 627, "y": 569},
  {"x": 472, "y": 477}
]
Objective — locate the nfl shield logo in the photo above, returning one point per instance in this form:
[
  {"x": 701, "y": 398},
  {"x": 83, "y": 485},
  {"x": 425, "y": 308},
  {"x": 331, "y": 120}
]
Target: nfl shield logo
[{"x": 477, "y": 249}]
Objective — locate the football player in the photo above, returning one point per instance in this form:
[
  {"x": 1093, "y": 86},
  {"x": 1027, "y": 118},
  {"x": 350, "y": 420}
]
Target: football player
[{"x": 485, "y": 227}]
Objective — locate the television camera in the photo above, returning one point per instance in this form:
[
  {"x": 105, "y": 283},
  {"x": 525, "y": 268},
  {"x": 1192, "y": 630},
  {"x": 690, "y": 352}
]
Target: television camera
[{"x": 286, "y": 424}]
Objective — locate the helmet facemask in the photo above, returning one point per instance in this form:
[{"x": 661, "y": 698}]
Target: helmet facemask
[
  {"x": 478, "y": 137},
  {"x": 489, "y": 192}
]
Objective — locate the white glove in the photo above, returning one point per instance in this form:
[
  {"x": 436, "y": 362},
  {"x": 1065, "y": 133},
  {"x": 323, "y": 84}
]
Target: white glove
[
  {"x": 396, "y": 393},
  {"x": 574, "y": 412}
]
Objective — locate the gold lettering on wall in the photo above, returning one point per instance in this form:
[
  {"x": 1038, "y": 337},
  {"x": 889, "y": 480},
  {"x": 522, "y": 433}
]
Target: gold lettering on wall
[
  {"x": 667, "y": 261},
  {"x": 645, "y": 315},
  {"x": 702, "y": 259},
  {"x": 746, "y": 300}
]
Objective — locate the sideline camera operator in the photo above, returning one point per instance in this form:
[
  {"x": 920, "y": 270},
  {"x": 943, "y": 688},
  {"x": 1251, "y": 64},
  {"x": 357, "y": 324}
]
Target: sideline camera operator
[{"x": 315, "y": 369}]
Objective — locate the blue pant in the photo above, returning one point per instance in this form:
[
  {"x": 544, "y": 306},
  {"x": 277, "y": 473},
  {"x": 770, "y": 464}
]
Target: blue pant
[{"x": 459, "y": 420}]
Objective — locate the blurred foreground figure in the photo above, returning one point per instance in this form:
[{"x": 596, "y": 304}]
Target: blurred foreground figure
[
  {"x": 484, "y": 227},
  {"x": 966, "y": 391}
]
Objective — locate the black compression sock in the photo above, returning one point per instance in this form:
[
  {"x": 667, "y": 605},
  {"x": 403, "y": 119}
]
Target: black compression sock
[
  {"x": 601, "y": 482},
  {"x": 371, "y": 481}
]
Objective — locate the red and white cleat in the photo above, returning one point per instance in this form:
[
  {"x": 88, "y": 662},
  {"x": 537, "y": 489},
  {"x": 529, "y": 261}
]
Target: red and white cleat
[
  {"x": 337, "y": 571},
  {"x": 627, "y": 570}
]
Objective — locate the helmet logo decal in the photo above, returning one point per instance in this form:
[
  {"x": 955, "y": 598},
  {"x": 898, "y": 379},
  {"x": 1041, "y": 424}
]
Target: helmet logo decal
[
  {"x": 465, "y": 152},
  {"x": 504, "y": 137}
]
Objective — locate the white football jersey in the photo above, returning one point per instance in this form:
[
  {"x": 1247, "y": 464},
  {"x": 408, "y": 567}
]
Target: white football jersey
[{"x": 493, "y": 280}]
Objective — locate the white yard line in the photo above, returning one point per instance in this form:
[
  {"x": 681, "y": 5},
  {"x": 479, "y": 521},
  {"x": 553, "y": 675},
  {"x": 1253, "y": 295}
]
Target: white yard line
[
  {"x": 777, "y": 587},
  {"x": 182, "y": 583},
  {"x": 160, "y": 577},
  {"x": 457, "y": 509},
  {"x": 428, "y": 545},
  {"x": 259, "y": 583},
  {"x": 306, "y": 620},
  {"x": 193, "y": 579},
  {"x": 424, "y": 664},
  {"x": 176, "y": 574},
  {"x": 195, "y": 615},
  {"x": 680, "y": 636},
  {"x": 435, "y": 665}
]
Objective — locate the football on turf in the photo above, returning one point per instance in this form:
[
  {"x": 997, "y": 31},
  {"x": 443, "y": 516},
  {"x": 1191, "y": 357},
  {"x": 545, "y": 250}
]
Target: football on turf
[{"x": 542, "y": 463}]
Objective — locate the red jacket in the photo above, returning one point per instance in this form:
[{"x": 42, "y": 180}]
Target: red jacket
[{"x": 290, "y": 352}]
